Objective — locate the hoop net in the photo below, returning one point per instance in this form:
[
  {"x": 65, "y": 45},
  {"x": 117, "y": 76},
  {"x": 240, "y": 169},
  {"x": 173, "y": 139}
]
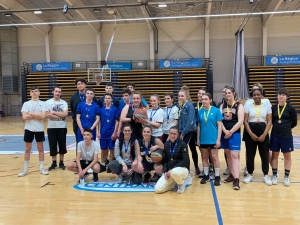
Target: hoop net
[{"x": 99, "y": 75}]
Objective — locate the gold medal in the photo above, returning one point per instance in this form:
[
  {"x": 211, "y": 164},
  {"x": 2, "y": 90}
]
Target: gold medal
[
  {"x": 147, "y": 157},
  {"x": 279, "y": 121},
  {"x": 87, "y": 116},
  {"x": 280, "y": 113},
  {"x": 107, "y": 121},
  {"x": 86, "y": 162},
  {"x": 172, "y": 159},
  {"x": 125, "y": 155}
]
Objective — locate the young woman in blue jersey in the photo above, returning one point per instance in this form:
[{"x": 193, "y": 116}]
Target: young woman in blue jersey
[
  {"x": 147, "y": 144},
  {"x": 257, "y": 123},
  {"x": 233, "y": 118},
  {"x": 128, "y": 111},
  {"x": 108, "y": 126},
  {"x": 87, "y": 115},
  {"x": 284, "y": 120},
  {"x": 170, "y": 115},
  {"x": 209, "y": 135}
]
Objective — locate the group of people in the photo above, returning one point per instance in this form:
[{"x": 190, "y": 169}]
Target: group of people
[{"x": 126, "y": 142}]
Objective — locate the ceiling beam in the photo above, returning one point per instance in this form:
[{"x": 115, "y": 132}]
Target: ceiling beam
[
  {"x": 272, "y": 7},
  {"x": 208, "y": 11},
  {"x": 28, "y": 17},
  {"x": 146, "y": 14},
  {"x": 85, "y": 14}
]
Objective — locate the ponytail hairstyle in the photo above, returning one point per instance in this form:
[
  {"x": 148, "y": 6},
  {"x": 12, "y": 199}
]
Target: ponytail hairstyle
[
  {"x": 233, "y": 91},
  {"x": 185, "y": 89},
  {"x": 157, "y": 97}
]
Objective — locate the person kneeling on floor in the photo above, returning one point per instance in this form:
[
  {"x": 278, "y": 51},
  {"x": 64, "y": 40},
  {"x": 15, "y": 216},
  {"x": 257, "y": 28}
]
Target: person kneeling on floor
[{"x": 176, "y": 163}]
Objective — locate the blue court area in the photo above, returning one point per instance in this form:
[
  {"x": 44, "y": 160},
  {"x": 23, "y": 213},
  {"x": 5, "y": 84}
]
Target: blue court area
[
  {"x": 14, "y": 144},
  {"x": 296, "y": 140}
]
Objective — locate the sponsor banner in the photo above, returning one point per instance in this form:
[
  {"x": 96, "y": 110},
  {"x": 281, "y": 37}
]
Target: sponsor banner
[
  {"x": 51, "y": 66},
  {"x": 119, "y": 65},
  {"x": 277, "y": 60},
  {"x": 180, "y": 63},
  {"x": 112, "y": 186}
]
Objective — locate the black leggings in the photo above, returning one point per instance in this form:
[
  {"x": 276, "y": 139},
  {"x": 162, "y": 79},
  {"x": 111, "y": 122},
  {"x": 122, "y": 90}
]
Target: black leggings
[
  {"x": 251, "y": 146},
  {"x": 190, "y": 139}
]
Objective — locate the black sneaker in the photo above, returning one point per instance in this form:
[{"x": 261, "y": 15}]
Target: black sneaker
[
  {"x": 136, "y": 178},
  {"x": 205, "y": 179},
  {"x": 236, "y": 184},
  {"x": 95, "y": 177},
  {"x": 147, "y": 178},
  {"x": 229, "y": 179},
  {"x": 52, "y": 167},
  {"x": 106, "y": 163},
  {"x": 62, "y": 166},
  {"x": 108, "y": 170},
  {"x": 102, "y": 168},
  {"x": 154, "y": 178},
  {"x": 217, "y": 181}
]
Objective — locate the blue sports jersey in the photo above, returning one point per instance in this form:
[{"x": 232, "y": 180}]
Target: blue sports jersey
[
  {"x": 108, "y": 119},
  {"x": 88, "y": 113},
  {"x": 209, "y": 129},
  {"x": 115, "y": 102},
  {"x": 122, "y": 102}
]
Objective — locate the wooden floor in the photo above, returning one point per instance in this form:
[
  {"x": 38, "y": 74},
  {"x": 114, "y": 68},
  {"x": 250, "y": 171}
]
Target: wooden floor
[{"x": 23, "y": 201}]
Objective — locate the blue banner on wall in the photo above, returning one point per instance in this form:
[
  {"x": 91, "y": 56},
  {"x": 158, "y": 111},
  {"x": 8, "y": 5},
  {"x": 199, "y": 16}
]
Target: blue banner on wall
[
  {"x": 119, "y": 65},
  {"x": 51, "y": 66},
  {"x": 180, "y": 63},
  {"x": 277, "y": 60}
]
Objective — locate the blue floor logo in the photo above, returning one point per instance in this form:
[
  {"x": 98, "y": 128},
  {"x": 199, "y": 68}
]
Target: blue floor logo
[{"x": 110, "y": 186}]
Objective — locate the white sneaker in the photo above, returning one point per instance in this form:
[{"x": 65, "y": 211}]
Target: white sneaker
[
  {"x": 245, "y": 171},
  {"x": 226, "y": 172},
  {"x": 274, "y": 180},
  {"x": 90, "y": 170},
  {"x": 23, "y": 173},
  {"x": 120, "y": 179},
  {"x": 189, "y": 179},
  {"x": 181, "y": 188},
  {"x": 248, "y": 179},
  {"x": 286, "y": 181},
  {"x": 267, "y": 180},
  {"x": 44, "y": 171}
]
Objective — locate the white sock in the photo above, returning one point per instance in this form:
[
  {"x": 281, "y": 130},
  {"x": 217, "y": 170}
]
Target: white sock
[
  {"x": 205, "y": 171},
  {"x": 217, "y": 172},
  {"x": 41, "y": 165},
  {"x": 26, "y": 165},
  {"x": 103, "y": 164}
]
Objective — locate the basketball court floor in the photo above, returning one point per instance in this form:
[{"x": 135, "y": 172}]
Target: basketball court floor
[{"x": 57, "y": 199}]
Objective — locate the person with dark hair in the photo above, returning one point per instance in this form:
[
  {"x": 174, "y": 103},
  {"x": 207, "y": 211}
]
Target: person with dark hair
[
  {"x": 284, "y": 117},
  {"x": 131, "y": 87},
  {"x": 125, "y": 100},
  {"x": 209, "y": 131},
  {"x": 87, "y": 157},
  {"x": 176, "y": 164},
  {"x": 224, "y": 96},
  {"x": 257, "y": 123},
  {"x": 57, "y": 112},
  {"x": 233, "y": 114},
  {"x": 88, "y": 115},
  {"x": 33, "y": 112},
  {"x": 125, "y": 148},
  {"x": 78, "y": 97},
  {"x": 109, "y": 88},
  {"x": 170, "y": 115},
  {"x": 108, "y": 127}
]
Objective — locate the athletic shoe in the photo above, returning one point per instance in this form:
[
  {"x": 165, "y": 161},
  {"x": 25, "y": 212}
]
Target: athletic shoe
[
  {"x": 154, "y": 178},
  {"x": 286, "y": 181},
  {"x": 108, "y": 170},
  {"x": 90, "y": 170},
  {"x": 229, "y": 179},
  {"x": 274, "y": 180},
  {"x": 205, "y": 179},
  {"x": 226, "y": 172},
  {"x": 120, "y": 179},
  {"x": 127, "y": 178},
  {"x": 147, "y": 178},
  {"x": 44, "y": 171},
  {"x": 23, "y": 173},
  {"x": 267, "y": 180},
  {"x": 189, "y": 179},
  {"x": 106, "y": 162},
  {"x": 248, "y": 179},
  {"x": 211, "y": 175},
  {"x": 245, "y": 171},
  {"x": 197, "y": 171},
  {"x": 102, "y": 168},
  {"x": 181, "y": 188},
  {"x": 53, "y": 166},
  {"x": 95, "y": 177},
  {"x": 217, "y": 181},
  {"x": 201, "y": 174},
  {"x": 81, "y": 181},
  {"x": 211, "y": 168},
  {"x": 62, "y": 166},
  {"x": 236, "y": 184}
]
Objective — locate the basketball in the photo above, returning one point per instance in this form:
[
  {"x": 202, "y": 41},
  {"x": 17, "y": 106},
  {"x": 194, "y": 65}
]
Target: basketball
[
  {"x": 157, "y": 156},
  {"x": 140, "y": 113}
]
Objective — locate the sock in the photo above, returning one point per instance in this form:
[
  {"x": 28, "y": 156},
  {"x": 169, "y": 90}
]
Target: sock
[
  {"x": 103, "y": 164},
  {"x": 274, "y": 171},
  {"x": 205, "y": 171},
  {"x": 54, "y": 162},
  {"x": 286, "y": 173},
  {"x": 41, "y": 165},
  {"x": 26, "y": 165},
  {"x": 217, "y": 172}
]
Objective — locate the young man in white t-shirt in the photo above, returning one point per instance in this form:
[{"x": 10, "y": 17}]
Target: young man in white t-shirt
[
  {"x": 57, "y": 112},
  {"x": 33, "y": 112}
]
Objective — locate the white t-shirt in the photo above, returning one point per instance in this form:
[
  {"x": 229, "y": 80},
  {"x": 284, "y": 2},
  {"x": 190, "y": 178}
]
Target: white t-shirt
[
  {"x": 173, "y": 115},
  {"x": 264, "y": 109},
  {"x": 87, "y": 153},
  {"x": 34, "y": 125},
  {"x": 157, "y": 117},
  {"x": 56, "y": 106}
]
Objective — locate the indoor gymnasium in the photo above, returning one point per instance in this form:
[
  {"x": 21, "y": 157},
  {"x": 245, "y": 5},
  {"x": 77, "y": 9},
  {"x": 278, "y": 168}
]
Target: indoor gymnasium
[{"x": 149, "y": 112}]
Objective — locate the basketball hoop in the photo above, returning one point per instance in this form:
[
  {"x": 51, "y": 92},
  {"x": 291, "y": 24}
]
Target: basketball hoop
[{"x": 98, "y": 81}]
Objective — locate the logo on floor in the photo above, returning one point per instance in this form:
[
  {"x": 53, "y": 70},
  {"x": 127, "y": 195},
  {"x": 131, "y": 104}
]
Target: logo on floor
[{"x": 110, "y": 186}]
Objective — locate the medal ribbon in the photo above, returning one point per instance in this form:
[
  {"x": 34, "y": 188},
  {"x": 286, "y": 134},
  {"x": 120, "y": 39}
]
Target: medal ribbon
[
  {"x": 181, "y": 109},
  {"x": 146, "y": 148},
  {"x": 206, "y": 116},
  {"x": 172, "y": 150},
  {"x": 278, "y": 110},
  {"x": 168, "y": 113},
  {"x": 227, "y": 109},
  {"x": 82, "y": 96},
  {"x": 126, "y": 147},
  {"x": 87, "y": 109},
  {"x": 257, "y": 111},
  {"x": 198, "y": 106},
  {"x": 151, "y": 116}
]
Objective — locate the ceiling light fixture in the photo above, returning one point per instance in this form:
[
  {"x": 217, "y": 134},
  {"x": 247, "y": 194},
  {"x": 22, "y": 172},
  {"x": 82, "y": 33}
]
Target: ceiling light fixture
[
  {"x": 190, "y": 4},
  {"x": 162, "y": 5},
  {"x": 8, "y": 14},
  {"x": 111, "y": 11},
  {"x": 96, "y": 10},
  {"x": 37, "y": 12}
]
